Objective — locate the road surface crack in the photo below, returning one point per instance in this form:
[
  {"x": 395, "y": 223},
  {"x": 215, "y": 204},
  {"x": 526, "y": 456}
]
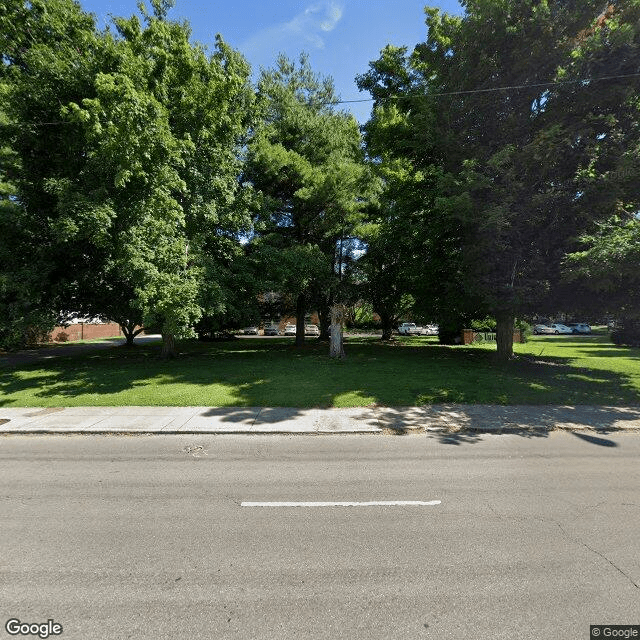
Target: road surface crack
[
  {"x": 586, "y": 546},
  {"x": 569, "y": 537}
]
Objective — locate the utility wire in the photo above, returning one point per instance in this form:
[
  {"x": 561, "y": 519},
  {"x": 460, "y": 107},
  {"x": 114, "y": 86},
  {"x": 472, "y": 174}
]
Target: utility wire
[
  {"x": 493, "y": 89},
  {"x": 421, "y": 95}
]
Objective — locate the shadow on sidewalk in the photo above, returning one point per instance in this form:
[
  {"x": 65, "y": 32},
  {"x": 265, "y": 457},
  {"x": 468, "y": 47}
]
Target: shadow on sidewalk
[{"x": 466, "y": 424}]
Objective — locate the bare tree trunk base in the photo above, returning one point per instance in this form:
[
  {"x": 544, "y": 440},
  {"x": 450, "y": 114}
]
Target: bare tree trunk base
[
  {"x": 169, "y": 346},
  {"x": 301, "y": 308},
  {"x": 129, "y": 331},
  {"x": 336, "y": 346},
  {"x": 504, "y": 337}
]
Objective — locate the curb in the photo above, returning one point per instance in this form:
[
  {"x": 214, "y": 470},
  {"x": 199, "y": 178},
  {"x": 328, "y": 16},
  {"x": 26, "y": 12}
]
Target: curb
[{"x": 387, "y": 431}]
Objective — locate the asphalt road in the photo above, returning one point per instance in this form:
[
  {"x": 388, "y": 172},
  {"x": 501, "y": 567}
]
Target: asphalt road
[{"x": 146, "y": 537}]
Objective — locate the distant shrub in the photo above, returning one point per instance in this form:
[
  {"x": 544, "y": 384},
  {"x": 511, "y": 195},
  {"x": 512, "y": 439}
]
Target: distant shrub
[
  {"x": 33, "y": 336},
  {"x": 628, "y": 334},
  {"x": 486, "y": 325},
  {"x": 525, "y": 329},
  {"x": 21, "y": 334},
  {"x": 361, "y": 316},
  {"x": 450, "y": 329}
]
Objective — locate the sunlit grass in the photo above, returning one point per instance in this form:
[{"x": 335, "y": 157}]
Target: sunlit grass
[{"x": 257, "y": 372}]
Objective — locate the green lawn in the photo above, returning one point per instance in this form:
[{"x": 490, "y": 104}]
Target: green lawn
[{"x": 257, "y": 372}]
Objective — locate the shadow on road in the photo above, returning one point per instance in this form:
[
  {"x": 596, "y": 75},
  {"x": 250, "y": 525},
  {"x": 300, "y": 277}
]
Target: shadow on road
[{"x": 601, "y": 442}]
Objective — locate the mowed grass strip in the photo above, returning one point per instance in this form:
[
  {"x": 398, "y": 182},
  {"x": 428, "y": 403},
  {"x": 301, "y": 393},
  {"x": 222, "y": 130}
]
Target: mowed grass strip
[{"x": 272, "y": 372}]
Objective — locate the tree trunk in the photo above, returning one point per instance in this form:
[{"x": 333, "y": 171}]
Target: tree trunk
[
  {"x": 324, "y": 315},
  {"x": 169, "y": 345},
  {"x": 387, "y": 327},
  {"x": 504, "y": 335},
  {"x": 325, "y": 328},
  {"x": 336, "y": 347},
  {"x": 129, "y": 331},
  {"x": 301, "y": 309},
  {"x": 128, "y": 334}
]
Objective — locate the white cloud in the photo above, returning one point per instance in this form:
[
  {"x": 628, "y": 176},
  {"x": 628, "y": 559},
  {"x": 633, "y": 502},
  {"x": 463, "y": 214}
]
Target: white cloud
[
  {"x": 305, "y": 28},
  {"x": 334, "y": 13}
]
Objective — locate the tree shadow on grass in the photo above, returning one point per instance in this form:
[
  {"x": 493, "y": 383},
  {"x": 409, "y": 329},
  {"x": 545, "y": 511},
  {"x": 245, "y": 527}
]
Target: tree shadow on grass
[
  {"x": 463, "y": 391},
  {"x": 25, "y": 357},
  {"x": 607, "y": 351},
  {"x": 566, "y": 383}
]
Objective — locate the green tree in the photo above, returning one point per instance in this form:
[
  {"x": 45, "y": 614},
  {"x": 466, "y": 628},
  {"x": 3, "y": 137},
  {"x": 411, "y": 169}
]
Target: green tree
[
  {"x": 414, "y": 261},
  {"x": 607, "y": 268},
  {"x": 33, "y": 36},
  {"x": 306, "y": 160},
  {"x": 387, "y": 270},
  {"x": 492, "y": 108},
  {"x": 25, "y": 315},
  {"x": 135, "y": 185}
]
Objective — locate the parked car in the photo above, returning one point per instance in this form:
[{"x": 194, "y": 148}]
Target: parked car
[
  {"x": 542, "y": 328},
  {"x": 290, "y": 330},
  {"x": 409, "y": 329},
  {"x": 311, "y": 330},
  {"x": 430, "y": 330},
  {"x": 579, "y": 327},
  {"x": 250, "y": 331},
  {"x": 272, "y": 330},
  {"x": 560, "y": 328}
]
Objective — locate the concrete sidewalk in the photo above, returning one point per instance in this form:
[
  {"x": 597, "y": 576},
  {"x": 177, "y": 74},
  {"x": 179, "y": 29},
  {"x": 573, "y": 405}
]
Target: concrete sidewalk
[{"x": 269, "y": 420}]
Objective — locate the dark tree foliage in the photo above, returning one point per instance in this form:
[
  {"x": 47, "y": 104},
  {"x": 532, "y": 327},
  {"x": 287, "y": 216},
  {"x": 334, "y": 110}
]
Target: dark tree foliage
[
  {"x": 307, "y": 162},
  {"x": 129, "y": 150},
  {"x": 492, "y": 110}
]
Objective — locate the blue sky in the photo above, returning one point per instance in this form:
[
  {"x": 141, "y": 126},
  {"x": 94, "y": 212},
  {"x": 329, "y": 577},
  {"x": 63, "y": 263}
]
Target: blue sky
[{"x": 340, "y": 36}]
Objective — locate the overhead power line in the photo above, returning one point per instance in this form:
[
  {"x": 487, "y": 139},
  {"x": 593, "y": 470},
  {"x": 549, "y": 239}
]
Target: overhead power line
[
  {"x": 492, "y": 89},
  {"x": 399, "y": 97}
]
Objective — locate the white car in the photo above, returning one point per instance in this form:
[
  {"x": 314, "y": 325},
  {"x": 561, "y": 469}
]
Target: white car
[
  {"x": 579, "y": 327},
  {"x": 560, "y": 328},
  {"x": 251, "y": 331},
  {"x": 542, "y": 328},
  {"x": 290, "y": 330},
  {"x": 311, "y": 330},
  {"x": 409, "y": 329},
  {"x": 430, "y": 330}
]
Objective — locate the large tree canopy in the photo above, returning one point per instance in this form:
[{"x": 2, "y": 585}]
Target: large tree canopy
[
  {"x": 130, "y": 149},
  {"x": 144, "y": 180},
  {"x": 494, "y": 108},
  {"x": 40, "y": 65},
  {"x": 306, "y": 160},
  {"x": 607, "y": 268}
]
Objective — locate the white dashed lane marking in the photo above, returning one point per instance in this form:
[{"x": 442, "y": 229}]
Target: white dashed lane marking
[{"x": 389, "y": 503}]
